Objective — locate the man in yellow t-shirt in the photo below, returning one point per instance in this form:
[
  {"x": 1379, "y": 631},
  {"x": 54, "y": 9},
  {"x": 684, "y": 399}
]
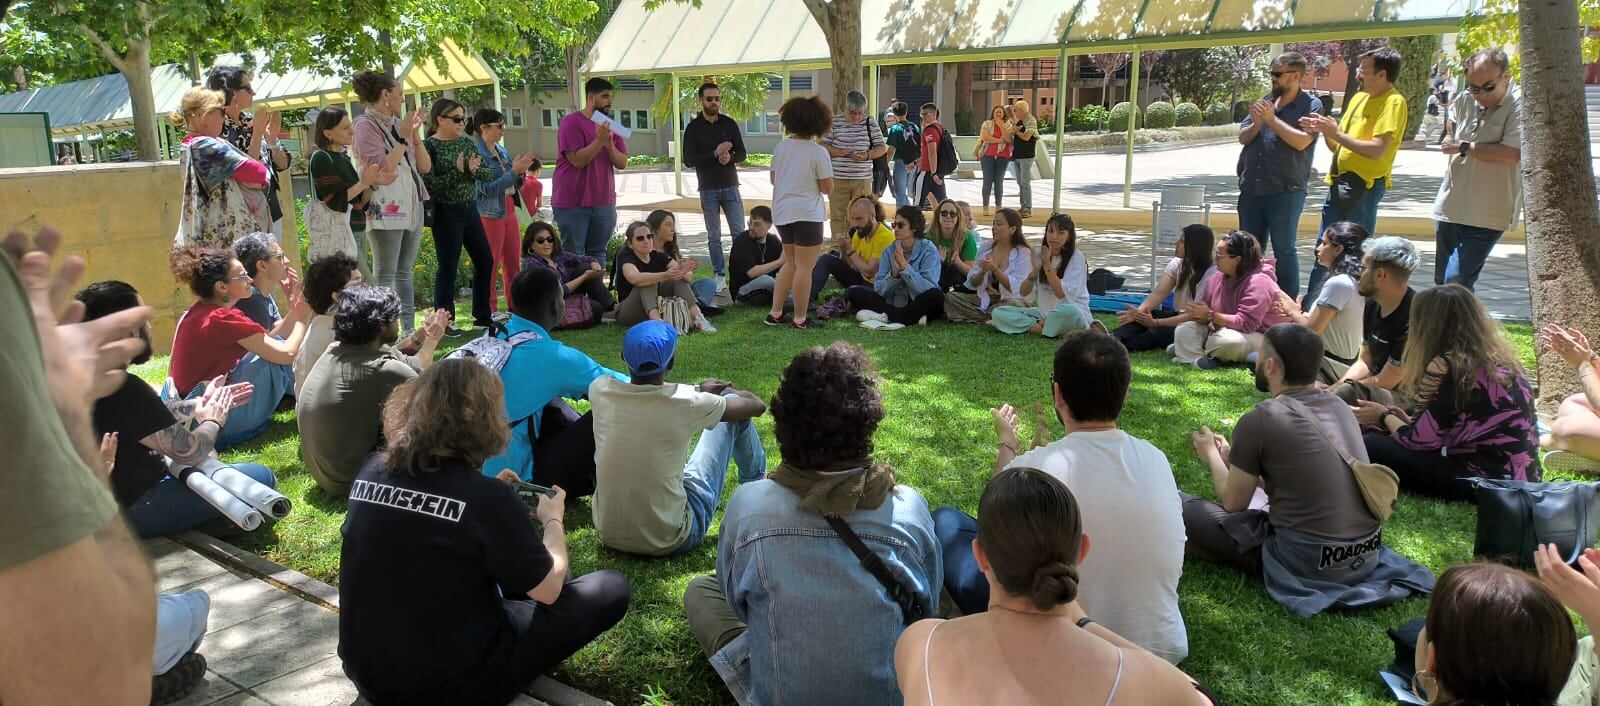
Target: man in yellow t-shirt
[
  {"x": 858, "y": 264},
  {"x": 1364, "y": 142}
]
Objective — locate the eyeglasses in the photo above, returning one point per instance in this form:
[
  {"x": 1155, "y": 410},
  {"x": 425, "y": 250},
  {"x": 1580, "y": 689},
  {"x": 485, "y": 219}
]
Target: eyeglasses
[
  {"x": 948, "y": 214},
  {"x": 642, "y": 238},
  {"x": 542, "y": 241},
  {"x": 1277, "y": 74},
  {"x": 1487, "y": 87},
  {"x": 498, "y": 125},
  {"x": 240, "y": 278},
  {"x": 279, "y": 256},
  {"x": 454, "y": 118},
  {"x": 248, "y": 88}
]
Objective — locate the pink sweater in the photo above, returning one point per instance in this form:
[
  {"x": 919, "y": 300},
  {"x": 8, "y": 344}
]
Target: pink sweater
[{"x": 1246, "y": 305}]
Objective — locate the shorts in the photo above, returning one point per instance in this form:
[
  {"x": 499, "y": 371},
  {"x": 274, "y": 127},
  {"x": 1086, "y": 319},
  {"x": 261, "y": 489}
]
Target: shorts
[{"x": 805, "y": 234}]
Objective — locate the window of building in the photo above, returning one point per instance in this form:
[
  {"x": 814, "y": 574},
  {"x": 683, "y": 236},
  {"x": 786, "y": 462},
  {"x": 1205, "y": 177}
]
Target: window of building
[
  {"x": 515, "y": 117},
  {"x": 641, "y": 119},
  {"x": 626, "y": 118},
  {"x": 546, "y": 118}
]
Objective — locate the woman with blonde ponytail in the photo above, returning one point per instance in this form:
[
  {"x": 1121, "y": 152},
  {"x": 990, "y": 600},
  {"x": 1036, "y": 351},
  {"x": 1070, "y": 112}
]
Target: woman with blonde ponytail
[{"x": 1034, "y": 645}]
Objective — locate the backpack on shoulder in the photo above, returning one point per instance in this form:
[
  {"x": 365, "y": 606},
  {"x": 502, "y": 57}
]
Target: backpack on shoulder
[
  {"x": 491, "y": 350},
  {"x": 948, "y": 159}
]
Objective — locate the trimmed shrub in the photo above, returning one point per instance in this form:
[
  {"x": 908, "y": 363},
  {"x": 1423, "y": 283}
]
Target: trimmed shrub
[
  {"x": 1217, "y": 114},
  {"x": 1186, "y": 115},
  {"x": 1160, "y": 114},
  {"x": 1121, "y": 113},
  {"x": 1241, "y": 110},
  {"x": 1087, "y": 118}
]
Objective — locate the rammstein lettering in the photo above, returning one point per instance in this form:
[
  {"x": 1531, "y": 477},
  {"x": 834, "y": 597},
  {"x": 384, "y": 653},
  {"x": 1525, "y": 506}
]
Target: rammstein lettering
[{"x": 401, "y": 499}]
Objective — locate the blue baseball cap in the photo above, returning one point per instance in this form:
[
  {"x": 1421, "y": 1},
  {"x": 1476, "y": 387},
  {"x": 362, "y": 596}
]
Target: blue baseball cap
[{"x": 648, "y": 347}]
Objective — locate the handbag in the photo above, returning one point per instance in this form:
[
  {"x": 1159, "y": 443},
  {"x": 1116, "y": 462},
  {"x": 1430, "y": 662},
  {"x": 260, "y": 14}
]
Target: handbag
[
  {"x": 675, "y": 311},
  {"x": 1515, "y": 517},
  {"x": 394, "y": 206},
  {"x": 1379, "y": 484},
  {"x": 911, "y": 610},
  {"x": 328, "y": 231},
  {"x": 578, "y": 313}
]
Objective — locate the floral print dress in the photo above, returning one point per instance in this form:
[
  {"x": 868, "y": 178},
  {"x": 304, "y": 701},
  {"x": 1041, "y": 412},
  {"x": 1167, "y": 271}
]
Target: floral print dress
[{"x": 1491, "y": 434}]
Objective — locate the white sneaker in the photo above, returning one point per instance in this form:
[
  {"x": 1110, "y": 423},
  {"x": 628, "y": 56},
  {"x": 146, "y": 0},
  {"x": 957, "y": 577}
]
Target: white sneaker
[
  {"x": 922, "y": 321},
  {"x": 705, "y": 326},
  {"x": 866, "y": 315},
  {"x": 722, "y": 284}
]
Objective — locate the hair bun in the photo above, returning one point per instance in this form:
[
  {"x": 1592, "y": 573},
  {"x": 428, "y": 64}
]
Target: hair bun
[{"x": 1054, "y": 583}]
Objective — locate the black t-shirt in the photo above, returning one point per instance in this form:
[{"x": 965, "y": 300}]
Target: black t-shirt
[
  {"x": 1386, "y": 335},
  {"x": 748, "y": 253},
  {"x": 659, "y": 262},
  {"x": 134, "y": 411},
  {"x": 428, "y": 564}
]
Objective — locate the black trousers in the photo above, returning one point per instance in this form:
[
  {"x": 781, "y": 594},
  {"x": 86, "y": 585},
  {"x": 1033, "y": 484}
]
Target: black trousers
[
  {"x": 564, "y": 452},
  {"x": 951, "y": 278},
  {"x": 929, "y": 303},
  {"x": 1135, "y": 337},
  {"x": 830, "y": 264},
  {"x": 1202, "y": 521},
  {"x": 1421, "y": 472},
  {"x": 456, "y": 226},
  {"x": 548, "y": 634},
  {"x": 596, "y": 291}
]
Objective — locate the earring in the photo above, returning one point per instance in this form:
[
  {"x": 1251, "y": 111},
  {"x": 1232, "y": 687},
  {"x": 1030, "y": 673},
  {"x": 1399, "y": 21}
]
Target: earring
[{"x": 1419, "y": 690}]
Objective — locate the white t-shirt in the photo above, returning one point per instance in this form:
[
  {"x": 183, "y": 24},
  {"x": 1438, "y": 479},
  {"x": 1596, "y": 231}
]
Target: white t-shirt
[
  {"x": 796, "y": 166},
  {"x": 1343, "y": 337},
  {"x": 1134, "y": 519},
  {"x": 319, "y": 335},
  {"x": 1180, "y": 295}
]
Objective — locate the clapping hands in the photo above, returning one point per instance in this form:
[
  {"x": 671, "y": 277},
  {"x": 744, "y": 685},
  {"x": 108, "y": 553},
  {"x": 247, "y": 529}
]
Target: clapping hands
[{"x": 1568, "y": 343}]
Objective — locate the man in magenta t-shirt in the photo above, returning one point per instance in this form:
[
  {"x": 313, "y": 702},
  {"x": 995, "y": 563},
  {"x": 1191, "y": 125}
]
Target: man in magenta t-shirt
[{"x": 584, "y": 198}]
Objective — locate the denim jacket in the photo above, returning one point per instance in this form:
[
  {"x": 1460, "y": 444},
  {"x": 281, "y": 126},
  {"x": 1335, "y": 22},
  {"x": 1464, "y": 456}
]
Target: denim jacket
[
  {"x": 492, "y": 193},
  {"x": 821, "y": 629},
  {"x": 921, "y": 276}
]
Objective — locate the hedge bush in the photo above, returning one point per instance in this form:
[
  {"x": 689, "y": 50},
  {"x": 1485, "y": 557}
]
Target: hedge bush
[
  {"x": 1241, "y": 110},
  {"x": 1089, "y": 117},
  {"x": 1160, "y": 115},
  {"x": 1120, "y": 114},
  {"x": 1217, "y": 114},
  {"x": 1186, "y": 115}
]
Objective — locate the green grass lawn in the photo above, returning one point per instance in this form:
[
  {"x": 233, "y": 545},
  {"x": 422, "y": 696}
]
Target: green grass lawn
[{"x": 939, "y": 383}]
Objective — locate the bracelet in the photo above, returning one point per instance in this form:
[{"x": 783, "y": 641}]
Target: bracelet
[
  {"x": 1585, "y": 369},
  {"x": 1084, "y": 622},
  {"x": 556, "y": 520},
  {"x": 1009, "y": 447}
]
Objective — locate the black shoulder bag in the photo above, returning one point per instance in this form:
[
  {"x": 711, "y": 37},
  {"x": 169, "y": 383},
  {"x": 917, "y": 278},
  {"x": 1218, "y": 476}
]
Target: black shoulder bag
[{"x": 910, "y": 609}]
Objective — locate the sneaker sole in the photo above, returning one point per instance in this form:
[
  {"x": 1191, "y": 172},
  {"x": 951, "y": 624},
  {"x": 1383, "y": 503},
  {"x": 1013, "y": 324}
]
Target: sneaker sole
[
  {"x": 179, "y": 681},
  {"x": 1569, "y": 462}
]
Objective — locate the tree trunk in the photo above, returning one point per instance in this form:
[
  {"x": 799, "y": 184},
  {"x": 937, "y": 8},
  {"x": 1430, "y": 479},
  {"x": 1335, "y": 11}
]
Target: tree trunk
[
  {"x": 574, "y": 56},
  {"x": 1563, "y": 252},
  {"x": 136, "y": 69},
  {"x": 1352, "y": 59},
  {"x": 964, "y": 89},
  {"x": 840, "y": 21},
  {"x": 20, "y": 77}
]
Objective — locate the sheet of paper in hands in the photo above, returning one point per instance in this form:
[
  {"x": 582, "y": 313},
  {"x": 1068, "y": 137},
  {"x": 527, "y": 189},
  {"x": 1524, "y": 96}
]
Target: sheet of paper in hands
[
  {"x": 1400, "y": 689},
  {"x": 616, "y": 127}
]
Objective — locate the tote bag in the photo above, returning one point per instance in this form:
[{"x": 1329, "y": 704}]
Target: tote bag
[
  {"x": 1515, "y": 517},
  {"x": 395, "y": 206},
  {"x": 328, "y": 230}
]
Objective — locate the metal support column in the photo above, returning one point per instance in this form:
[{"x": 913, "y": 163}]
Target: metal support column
[
  {"x": 872, "y": 90},
  {"x": 1133, "y": 113},
  {"x": 781, "y": 131},
  {"x": 499, "y": 100},
  {"x": 676, "y": 137},
  {"x": 1061, "y": 124},
  {"x": 948, "y": 119}
]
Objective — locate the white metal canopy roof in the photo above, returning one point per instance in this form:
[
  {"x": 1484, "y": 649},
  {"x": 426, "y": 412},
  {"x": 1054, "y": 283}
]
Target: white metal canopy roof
[
  {"x": 102, "y": 102},
  {"x": 771, "y": 35}
]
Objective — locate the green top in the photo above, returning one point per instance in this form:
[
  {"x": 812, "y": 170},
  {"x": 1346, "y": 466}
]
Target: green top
[
  {"x": 332, "y": 175},
  {"x": 969, "y": 249},
  {"x": 446, "y": 183}
]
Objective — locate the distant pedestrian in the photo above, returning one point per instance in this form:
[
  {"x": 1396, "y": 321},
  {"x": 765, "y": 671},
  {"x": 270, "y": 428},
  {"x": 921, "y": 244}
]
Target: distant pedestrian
[
  {"x": 1482, "y": 188},
  {"x": 932, "y": 169},
  {"x": 584, "y": 201},
  {"x": 905, "y": 141},
  {"x": 714, "y": 146},
  {"x": 1024, "y": 145},
  {"x": 1275, "y": 165},
  {"x": 994, "y": 154},
  {"x": 853, "y": 141}
]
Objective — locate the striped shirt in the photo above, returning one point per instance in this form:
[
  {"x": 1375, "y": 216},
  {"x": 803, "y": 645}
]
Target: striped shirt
[{"x": 860, "y": 137}]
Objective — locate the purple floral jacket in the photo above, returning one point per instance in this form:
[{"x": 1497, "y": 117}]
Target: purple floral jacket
[
  {"x": 568, "y": 265},
  {"x": 1491, "y": 434}
]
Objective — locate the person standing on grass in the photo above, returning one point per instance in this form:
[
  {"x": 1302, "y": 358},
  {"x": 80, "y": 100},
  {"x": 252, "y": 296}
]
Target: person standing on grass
[
  {"x": 856, "y": 263},
  {"x": 394, "y": 219},
  {"x": 1130, "y": 583},
  {"x": 1149, "y": 327},
  {"x": 224, "y": 189},
  {"x": 930, "y": 171},
  {"x": 584, "y": 198},
  {"x": 905, "y": 290},
  {"x": 1482, "y": 189},
  {"x": 791, "y": 616},
  {"x": 647, "y": 501},
  {"x": 496, "y": 198},
  {"x": 453, "y": 182},
  {"x": 1058, "y": 287},
  {"x": 337, "y": 183},
  {"x": 852, "y": 141},
  {"x": 756, "y": 254},
  {"x": 489, "y": 606},
  {"x": 238, "y": 128},
  {"x": 1226, "y": 324},
  {"x": 1386, "y": 269},
  {"x": 1275, "y": 165},
  {"x": 713, "y": 145},
  {"x": 1318, "y": 546},
  {"x": 1339, "y": 309},
  {"x": 905, "y": 146},
  {"x": 1024, "y": 145},
  {"x": 1364, "y": 142},
  {"x": 802, "y": 172}
]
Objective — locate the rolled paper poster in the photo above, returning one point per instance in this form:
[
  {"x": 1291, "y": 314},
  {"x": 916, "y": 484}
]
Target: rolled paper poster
[{"x": 257, "y": 495}]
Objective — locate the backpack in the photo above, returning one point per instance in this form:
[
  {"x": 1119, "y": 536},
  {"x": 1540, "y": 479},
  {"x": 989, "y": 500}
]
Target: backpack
[
  {"x": 910, "y": 150},
  {"x": 948, "y": 159},
  {"x": 490, "y": 350}
]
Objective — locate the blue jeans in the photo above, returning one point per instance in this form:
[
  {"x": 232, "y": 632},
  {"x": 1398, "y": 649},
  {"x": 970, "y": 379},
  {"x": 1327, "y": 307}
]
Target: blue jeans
[
  {"x": 899, "y": 181},
  {"x": 248, "y": 421},
  {"x": 963, "y": 580},
  {"x": 727, "y": 198},
  {"x": 994, "y": 178},
  {"x": 707, "y": 471},
  {"x": 1462, "y": 252},
  {"x": 705, "y": 291},
  {"x": 180, "y": 626},
  {"x": 1365, "y": 214},
  {"x": 1024, "y": 170},
  {"x": 587, "y": 229},
  {"x": 1276, "y": 216},
  {"x": 170, "y": 507}
]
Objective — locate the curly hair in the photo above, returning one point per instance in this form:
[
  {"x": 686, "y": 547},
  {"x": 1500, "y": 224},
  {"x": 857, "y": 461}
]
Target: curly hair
[
  {"x": 827, "y": 406},
  {"x": 252, "y": 248},
  {"x": 805, "y": 117},
  {"x": 420, "y": 438},
  {"x": 914, "y": 218},
  {"x": 201, "y": 267},
  {"x": 326, "y": 275},
  {"x": 1030, "y": 527},
  {"x": 363, "y": 313}
]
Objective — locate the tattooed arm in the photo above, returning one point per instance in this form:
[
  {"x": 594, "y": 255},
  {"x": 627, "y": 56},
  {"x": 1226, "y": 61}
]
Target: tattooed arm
[{"x": 208, "y": 412}]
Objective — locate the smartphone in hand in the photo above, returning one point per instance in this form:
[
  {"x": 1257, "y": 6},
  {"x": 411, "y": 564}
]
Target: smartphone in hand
[{"x": 530, "y": 493}]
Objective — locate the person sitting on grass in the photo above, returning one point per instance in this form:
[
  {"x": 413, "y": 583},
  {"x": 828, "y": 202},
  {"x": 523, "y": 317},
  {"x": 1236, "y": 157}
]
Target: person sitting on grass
[
  {"x": 269, "y": 272},
  {"x": 646, "y": 275},
  {"x": 325, "y": 278},
  {"x": 583, "y": 283},
  {"x": 1495, "y": 635},
  {"x": 1004, "y": 263},
  {"x": 1058, "y": 287},
  {"x": 1226, "y": 324},
  {"x": 1338, "y": 309},
  {"x": 214, "y": 339},
  {"x": 1318, "y": 546},
  {"x": 905, "y": 291},
  {"x": 1574, "y": 440},
  {"x": 339, "y": 411},
  {"x": 1029, "y": 544},
  {"x": 1150, "y": 326},
  {"x": 952, "y": 233},
  {"x": 755, "y": 255},
  {"x": 791, "y": 616},
  {"x": 665, "y": 227},
  {"x": 858, "y": 264},
  {"x": 1578, "y": 588},
  {"x": 1386, "y": 324},
  {"x": 488, "y": 605},
  {"x": 647, "y": 500},
  {"x": 1119, "y": 476},
  {"x": 550, "y": 443},
  {"x": 154, "y": 502},
  {"x": 1475, "y": 417}
]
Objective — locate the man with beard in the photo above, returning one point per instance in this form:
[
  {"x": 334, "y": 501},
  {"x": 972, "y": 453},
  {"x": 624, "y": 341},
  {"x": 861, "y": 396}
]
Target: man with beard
[
  {"x": 340, "y": 409},
  {"x": 1275, "y": 165},
  {"x": 150, "y": 431},
  {"x": 1385, "y": 281},
  {"x": 713, "y": 146},
  {"x": 584, "y": 198}
]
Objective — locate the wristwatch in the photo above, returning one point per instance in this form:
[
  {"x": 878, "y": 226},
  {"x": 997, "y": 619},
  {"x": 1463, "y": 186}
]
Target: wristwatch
[{"x": 1465, "y": 148}]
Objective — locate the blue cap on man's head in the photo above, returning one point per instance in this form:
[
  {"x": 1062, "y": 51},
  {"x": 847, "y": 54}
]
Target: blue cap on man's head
[{"x": 648, "y": 347}]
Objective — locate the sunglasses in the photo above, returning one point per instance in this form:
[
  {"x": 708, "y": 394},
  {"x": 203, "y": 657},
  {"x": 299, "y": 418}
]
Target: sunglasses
[
  {"x": 642, "y": 238},
  {"x": 1487, "y": 87},
  {"x": 948, "y": 214},
  {"x": 1277, "y": 74},
  {"x": 542, "y": 241},
  {"x": 247, "y": 87},
  {"x": 901, "y": 224},
  {"x": 457, "y": 119}
]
